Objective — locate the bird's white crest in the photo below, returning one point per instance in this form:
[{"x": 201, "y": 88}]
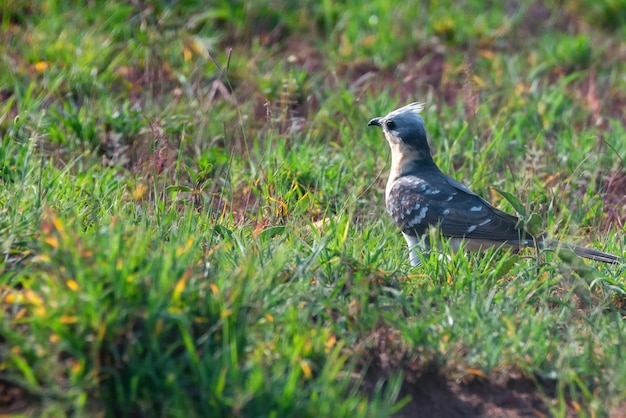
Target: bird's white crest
[{"x": 415, "y": 107}]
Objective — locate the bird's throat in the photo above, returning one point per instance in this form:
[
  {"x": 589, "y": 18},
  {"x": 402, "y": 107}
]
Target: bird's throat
[{"x": 406, "y": 160}]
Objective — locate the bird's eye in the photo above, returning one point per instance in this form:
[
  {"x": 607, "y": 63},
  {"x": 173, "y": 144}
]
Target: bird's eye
[{"x": 391, "y": 125}]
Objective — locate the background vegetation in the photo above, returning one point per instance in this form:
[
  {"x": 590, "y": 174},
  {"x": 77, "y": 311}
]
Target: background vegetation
[{"x": 192, "y": 219}]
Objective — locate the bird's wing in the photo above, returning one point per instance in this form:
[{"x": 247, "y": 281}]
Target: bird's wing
[{"x": 419, "y": 203}]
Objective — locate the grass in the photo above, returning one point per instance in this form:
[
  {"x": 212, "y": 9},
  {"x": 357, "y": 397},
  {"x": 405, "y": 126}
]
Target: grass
[{"x": 192, "y": 217}]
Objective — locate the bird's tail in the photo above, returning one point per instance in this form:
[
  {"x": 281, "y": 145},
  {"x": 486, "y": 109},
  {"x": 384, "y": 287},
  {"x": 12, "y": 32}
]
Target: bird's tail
[{"x": 585, "y": 252}]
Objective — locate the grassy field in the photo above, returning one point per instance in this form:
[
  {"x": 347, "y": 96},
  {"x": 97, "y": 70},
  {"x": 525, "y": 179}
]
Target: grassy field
[{"x": 192, "y": 218}]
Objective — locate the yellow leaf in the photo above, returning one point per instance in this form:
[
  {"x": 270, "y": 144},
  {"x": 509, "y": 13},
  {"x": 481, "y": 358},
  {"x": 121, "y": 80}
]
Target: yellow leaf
[
  {"x": 68, "y": 319},
  {"x": 52, "y": 241},
  {"x": 181, "y": 284},
  {"x": 306, "y": 369},
  {"x": 72, "y": 284},
  {"x": 308, "y": 346},
  {"x": 330, "y": 343},
  {"x": 58, "y": 225},
  {"x": 42, "y": 258},
  {"x": 197, "y": 47},
  {"x": 479, "y": 81},
  {"x": 187, "y": 55},
  {"x": 54, "y": 338},
  {"x": 20, "y": 314},
  {"x": 551, "y": 179},
  {"x": 369, "y": 41},
  {"x": 269, "y": 317},
  {"x": 32, "y": 297},
  {"x": 140, "y": 191},
  {"x": 487, "y": 54},
  {"x": 183, "y": 250},
  {"x": 41, "y": 66},
  {"x": 225, "y": 313},
  {"x": 476, "y": 372},
  {"x": 509, "y": 326},
  {"x": 214, "y": 289},
  {"x": 77, "y": 367}
]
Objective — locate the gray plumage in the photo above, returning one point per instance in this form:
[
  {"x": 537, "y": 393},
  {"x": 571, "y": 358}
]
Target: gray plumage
[{"x": 419, "y": 196}]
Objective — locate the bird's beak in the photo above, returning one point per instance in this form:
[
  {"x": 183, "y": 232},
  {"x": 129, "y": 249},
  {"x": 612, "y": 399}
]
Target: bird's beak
[{"x": 374, "y": 122}]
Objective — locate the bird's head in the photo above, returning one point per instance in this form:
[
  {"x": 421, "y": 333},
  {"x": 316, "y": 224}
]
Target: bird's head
[{"x": 404, "y": 130}]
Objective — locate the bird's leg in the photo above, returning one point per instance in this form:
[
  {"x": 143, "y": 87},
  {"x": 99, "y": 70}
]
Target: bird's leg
[{"x": 414, "y": 244}]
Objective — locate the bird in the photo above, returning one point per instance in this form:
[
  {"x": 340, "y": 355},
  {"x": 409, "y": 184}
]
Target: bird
[{"x": 419, "y": 196}]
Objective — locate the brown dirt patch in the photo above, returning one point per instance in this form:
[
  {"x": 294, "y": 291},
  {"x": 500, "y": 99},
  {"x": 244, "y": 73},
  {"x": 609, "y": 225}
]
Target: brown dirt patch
[
  {"x": 433, "y": 395},
  {"x": 14, "y": 399},
  {"x": 442, "y": 392}
]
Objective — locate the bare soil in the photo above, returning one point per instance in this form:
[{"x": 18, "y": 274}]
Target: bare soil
[{"x": 433, "y": 395}]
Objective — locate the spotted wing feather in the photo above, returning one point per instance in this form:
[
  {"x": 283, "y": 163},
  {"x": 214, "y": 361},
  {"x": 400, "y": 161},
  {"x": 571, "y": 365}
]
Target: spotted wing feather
[{"x": 416, "y": 204}]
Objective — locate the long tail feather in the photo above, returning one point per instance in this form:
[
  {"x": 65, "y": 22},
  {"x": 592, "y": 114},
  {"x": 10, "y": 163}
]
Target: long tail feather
[{"x": 585, "y": 252}]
